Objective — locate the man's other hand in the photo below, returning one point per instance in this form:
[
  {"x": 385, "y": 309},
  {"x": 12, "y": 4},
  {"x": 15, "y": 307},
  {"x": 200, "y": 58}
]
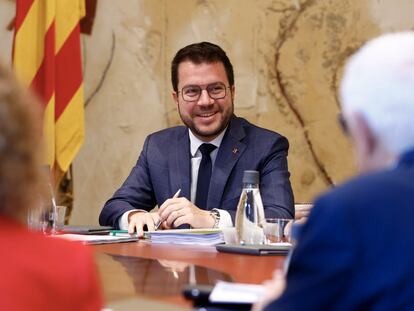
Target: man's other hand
[
  {"x": 302, "y": 211},
  {"x": 137, "y": 221}
]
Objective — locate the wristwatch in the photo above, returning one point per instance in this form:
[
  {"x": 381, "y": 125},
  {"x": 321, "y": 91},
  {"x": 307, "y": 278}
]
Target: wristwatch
[{"x": 215, "y": 213}]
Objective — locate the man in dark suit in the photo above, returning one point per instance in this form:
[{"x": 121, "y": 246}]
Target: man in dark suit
[
  {"x": 214, "y": 145},
  {"x": 356, "y": 252}
]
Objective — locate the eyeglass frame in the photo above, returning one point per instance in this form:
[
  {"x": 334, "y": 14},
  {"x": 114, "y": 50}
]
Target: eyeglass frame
[{"x": 204, "y": 87}]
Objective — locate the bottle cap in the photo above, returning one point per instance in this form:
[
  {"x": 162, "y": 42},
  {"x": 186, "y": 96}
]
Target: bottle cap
[{"x": 251, "y": 177}]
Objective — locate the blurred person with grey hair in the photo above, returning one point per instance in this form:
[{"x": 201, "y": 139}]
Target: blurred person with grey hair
[
  {"x": 356, "y": 252},
  {"x": 37, "y": 272}
]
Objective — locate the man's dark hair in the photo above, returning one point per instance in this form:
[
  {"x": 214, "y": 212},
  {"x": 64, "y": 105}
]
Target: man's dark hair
[{"x": 203, "y": 52}]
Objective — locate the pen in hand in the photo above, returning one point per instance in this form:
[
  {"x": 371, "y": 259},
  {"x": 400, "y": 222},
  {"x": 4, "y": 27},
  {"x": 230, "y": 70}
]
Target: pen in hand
[{"x": 158, "y": 224}]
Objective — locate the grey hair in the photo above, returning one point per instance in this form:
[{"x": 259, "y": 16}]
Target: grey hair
[{"x": 378, "y": 83}]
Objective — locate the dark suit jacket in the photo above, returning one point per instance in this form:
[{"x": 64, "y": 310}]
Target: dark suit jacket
[
  {"x": 357, "y": 250},
  {"x": 164, "y": 167}
]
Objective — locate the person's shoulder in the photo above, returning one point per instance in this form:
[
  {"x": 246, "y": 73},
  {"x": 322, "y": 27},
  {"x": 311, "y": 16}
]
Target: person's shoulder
[
  {"x": 364, "y": 190},
  {"x": 37, "y": 262},
  {"x": 164, "y": 137},
  {"x": 253, "y": 129},
  {"x": 366, "y": 182},
  {"x": 168, "y": 133},
  {"x": 59, "y": 248}
]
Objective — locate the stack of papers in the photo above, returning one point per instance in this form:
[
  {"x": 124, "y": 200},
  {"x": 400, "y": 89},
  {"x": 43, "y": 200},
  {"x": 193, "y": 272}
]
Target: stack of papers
[
  {"x": 225, "y": 292},
  {"x": 97, "y": 239},
  {"x": 186, "y": 236}
]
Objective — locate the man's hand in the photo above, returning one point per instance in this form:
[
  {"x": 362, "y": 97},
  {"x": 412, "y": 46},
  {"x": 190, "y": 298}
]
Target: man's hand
[
  {"x": 137, "y": 220},
  {"x": 273, "y": 289},
  {"x": 302, "y": 212},
  {"x": 177, "y": 211}
]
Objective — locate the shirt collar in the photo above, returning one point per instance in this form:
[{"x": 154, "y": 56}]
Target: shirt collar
[{"x": 195, "y": 142}]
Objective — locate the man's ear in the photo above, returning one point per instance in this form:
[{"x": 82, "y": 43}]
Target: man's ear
[
  {"x": 365, "y": 143},
  {"x": 175, "y": 97},
  {"x": 233, "y": 92},
  {"x": 365, "y": 136}
]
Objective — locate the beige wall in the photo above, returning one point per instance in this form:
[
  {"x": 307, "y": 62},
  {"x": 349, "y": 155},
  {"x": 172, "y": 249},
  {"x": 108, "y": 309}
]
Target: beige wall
[{"x": 288, "y": 57}]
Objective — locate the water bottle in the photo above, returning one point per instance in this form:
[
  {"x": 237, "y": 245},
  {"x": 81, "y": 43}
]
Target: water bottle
[{"x": 250, "y": 218}]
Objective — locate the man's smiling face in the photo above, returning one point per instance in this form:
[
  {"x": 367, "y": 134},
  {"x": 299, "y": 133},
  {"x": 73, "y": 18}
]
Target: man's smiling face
[{"x": 206, "y": 117}]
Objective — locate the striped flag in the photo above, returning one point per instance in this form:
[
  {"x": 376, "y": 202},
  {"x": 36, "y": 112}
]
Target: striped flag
[{"x": 47, "y": 57}]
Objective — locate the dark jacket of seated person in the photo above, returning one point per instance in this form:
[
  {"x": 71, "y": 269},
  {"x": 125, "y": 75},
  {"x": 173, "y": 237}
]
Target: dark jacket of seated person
[{"x": 356, "y": 251}]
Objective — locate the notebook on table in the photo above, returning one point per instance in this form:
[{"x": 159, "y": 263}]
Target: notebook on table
[
  {"x": 86, "y": 229},
  {"x": 256, "y": 249}
]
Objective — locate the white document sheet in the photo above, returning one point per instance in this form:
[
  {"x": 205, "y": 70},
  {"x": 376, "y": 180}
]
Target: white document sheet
[{"x": 226, "y": 292}]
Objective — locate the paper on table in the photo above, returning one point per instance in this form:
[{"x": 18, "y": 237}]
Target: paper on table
[
  {"x": 97, "y": 239},
  {"x": 226, "y": 292},
  {"x": 186, "y": 236}
]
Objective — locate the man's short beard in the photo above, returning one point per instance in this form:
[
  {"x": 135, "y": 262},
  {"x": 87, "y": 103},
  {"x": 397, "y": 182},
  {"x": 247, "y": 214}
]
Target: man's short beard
[
  {"x": 215, "y": 133},
  {"x": 207, "y": 135}
]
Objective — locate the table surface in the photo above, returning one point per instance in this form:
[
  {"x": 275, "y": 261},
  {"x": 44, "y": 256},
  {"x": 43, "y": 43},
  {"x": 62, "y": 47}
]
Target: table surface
[{"x": 159, "y": 272}]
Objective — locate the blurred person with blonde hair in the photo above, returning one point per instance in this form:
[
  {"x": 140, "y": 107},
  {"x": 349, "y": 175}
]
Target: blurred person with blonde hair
[{"x": 37, "y": 272}]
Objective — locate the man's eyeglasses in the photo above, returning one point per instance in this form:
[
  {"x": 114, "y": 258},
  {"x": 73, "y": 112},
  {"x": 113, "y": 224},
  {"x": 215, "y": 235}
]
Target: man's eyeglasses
[{"x": 192, "y": 93}]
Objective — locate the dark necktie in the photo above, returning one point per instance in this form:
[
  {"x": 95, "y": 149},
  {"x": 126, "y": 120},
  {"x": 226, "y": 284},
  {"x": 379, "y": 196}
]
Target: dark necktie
[{"x": 204, "y": 175}]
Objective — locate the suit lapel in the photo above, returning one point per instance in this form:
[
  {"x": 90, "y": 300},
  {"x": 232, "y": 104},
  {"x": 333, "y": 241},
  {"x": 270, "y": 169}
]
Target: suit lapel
[
  {"x": 230, "y": 150},
  {"x": 179, "y": 163}
]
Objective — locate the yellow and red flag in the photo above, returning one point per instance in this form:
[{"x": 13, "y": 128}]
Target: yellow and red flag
[{"x": 47, "y": 57}]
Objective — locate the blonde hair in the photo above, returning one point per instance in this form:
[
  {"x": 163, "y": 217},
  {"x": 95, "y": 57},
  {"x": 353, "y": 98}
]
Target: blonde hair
[{"x": 20, "y": 138}]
